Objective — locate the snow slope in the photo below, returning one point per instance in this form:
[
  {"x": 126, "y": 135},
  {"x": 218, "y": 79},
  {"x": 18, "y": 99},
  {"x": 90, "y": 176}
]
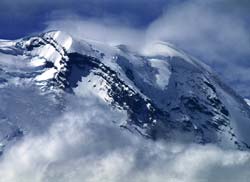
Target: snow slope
[
  {"x": 247, "y": 101},
  {"x": 165, "y": 93}
]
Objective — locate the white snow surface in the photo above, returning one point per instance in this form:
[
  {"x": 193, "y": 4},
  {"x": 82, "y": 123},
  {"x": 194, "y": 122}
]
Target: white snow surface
[
  {"x": 58, "y": 143},
  {"x": 48, "y": 74},
  {"x": 53, "y": 53},
  {"x": 151, "y": 69},
  {"x": 247, "y": 101}
]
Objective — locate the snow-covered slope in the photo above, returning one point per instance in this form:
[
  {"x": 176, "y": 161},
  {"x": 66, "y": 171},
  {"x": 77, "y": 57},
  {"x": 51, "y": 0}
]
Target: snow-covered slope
[
  {"x": 165, "y": 93},
  {"x": 247, "y": 101}
]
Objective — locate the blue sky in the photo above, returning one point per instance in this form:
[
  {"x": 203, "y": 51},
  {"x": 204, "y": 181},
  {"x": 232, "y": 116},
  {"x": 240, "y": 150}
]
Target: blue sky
[
  {"x": 21, "y": 17},
  {"x": 215, "y": 31}
]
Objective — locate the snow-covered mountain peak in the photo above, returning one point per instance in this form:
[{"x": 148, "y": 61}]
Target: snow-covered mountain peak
[
  {"x": 165, "y": 93},
  {"x": 50, "y": 47}
]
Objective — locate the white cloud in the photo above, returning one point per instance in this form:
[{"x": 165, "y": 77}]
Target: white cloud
[
  {"x": 205, "y": 29},
  {"x": 198, "y": 27},
  {"x": 85, "y": 145},
  {"x": 104, "y": 30}
]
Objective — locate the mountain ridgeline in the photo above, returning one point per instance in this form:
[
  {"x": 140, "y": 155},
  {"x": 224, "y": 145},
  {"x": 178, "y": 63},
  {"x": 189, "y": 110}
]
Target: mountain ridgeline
[{"x": 166, "y": 94}]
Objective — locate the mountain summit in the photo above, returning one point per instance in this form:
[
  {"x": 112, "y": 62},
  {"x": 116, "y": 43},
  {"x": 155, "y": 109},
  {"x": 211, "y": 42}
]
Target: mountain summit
[{"x": 165, "y": 93}]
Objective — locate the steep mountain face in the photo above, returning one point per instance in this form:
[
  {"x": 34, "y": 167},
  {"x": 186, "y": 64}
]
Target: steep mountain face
[{"x": 165, "y": 93}]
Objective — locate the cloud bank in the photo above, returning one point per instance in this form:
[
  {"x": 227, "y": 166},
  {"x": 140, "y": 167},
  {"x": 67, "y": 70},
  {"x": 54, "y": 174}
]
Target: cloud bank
[{"x": 84, "y": 145}]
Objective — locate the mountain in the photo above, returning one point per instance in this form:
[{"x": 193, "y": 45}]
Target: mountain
[{"x": 165, "y": 93}]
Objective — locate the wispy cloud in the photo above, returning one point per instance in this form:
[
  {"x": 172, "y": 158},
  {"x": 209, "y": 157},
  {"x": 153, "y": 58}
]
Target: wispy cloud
[
  {"x": 20, "y": 18},
  {"x": 209, "y": 30},
  {"x": 213, "y": 32},
  {"x": 104, "y": 29}
]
